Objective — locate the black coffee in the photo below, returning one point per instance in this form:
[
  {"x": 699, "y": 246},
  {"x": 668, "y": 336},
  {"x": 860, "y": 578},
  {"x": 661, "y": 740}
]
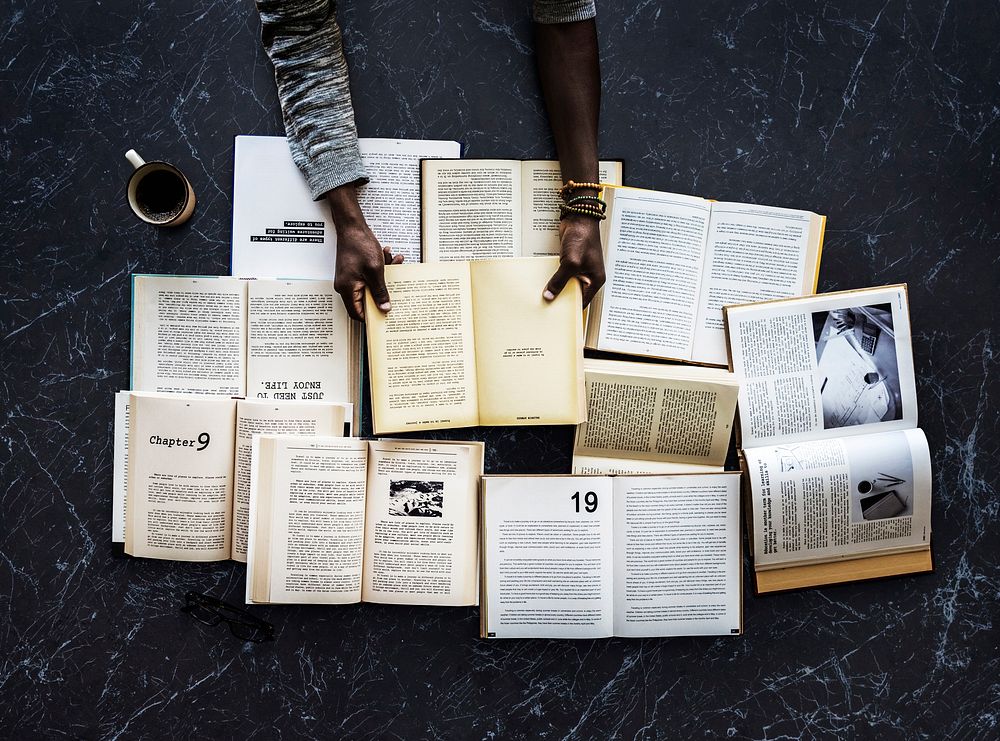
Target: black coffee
[{"x": 160, "y": 195}]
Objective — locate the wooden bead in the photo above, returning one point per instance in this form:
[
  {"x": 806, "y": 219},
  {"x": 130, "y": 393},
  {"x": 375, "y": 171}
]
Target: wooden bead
[{"x": 573, "y": 185}]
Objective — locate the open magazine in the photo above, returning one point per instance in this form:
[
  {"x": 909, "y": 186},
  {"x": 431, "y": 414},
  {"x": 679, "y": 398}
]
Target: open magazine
[{"x": 839, "y": 476}]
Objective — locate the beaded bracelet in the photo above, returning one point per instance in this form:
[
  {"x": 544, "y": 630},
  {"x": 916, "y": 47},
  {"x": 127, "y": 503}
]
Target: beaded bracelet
[
  {"x": 587, "y": 200},
  {"x": 568, "y": 211},
  {"x": 571, "y": 185},
  {"x": 591, "y": 211}
]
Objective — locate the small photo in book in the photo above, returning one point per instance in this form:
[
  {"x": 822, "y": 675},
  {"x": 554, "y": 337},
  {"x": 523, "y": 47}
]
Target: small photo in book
[
  {"x": 881, "y": 480},
  {"x": 409, "y": 498},
  {"x": 857, "y": 365}
]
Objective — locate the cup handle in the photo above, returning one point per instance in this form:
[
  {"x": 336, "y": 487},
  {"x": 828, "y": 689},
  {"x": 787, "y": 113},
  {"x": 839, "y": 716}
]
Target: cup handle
[{"x": 133, "y": 157}]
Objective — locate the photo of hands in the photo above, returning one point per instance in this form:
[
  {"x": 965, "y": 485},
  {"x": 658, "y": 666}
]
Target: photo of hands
[{"x": 857, "y": 365}]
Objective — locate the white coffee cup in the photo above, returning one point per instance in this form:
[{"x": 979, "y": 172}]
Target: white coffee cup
[{"x": 159, "y": 193}]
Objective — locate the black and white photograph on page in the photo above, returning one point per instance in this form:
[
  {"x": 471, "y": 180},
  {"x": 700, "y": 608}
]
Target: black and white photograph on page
[
  {"x": 857, "y": 367},
  {"x": 416, "y": 498},
  {"x": 881, "y": 478}
]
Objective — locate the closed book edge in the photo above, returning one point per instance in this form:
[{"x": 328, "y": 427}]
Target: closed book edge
[{"x": 841, "y": 572}]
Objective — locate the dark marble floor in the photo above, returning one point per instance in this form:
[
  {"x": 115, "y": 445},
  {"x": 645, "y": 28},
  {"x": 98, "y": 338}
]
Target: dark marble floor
[{"x": 883, "y": 115}]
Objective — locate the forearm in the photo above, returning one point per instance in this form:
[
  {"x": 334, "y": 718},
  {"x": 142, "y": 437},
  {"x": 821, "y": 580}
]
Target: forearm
[
  {"x": 344, "y": 205},
  {"x": 566, "y": 43},
  {"x": 304, "y": 42},
  {"x": 569, "y": 68}
]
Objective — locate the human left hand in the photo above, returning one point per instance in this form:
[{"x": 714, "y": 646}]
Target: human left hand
[{"x": 580, "y": 257}]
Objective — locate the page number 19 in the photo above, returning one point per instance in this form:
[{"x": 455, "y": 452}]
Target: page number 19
[{"x": 589, "y": 501}]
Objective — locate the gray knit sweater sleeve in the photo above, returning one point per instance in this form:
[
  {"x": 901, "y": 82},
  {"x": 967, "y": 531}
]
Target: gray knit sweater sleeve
[
  {"x": 564, "y": 11},
  {"x": 305, "y": 45},
  {"x": 303, "y": 40}
]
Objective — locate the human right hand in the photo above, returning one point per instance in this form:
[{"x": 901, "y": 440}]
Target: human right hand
[
  {"x": 843, "y": 320},
  {"x": 361, "y": 260}
]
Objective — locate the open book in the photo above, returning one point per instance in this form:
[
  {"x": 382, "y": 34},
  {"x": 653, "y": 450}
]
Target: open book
[
  {"x": 182, "y": 469},
  {"x": 597, "y": 556},
  {"x": 485, "y": 209},
  {"x": 474, "y": 343},
  {"x": 673, "y": 261},
  {"x": 280, "y": 232},
  {"x": 334, "y": 521},
  {"x": 285, "y": 340},
  {"x": 654, "y": 418},
  {"x": 839, "y": 476}
]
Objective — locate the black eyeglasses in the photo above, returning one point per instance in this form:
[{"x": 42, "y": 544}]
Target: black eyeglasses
[{"x": 242, "y": 624}]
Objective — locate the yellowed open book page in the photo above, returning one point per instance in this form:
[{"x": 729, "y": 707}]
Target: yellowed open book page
[
  {"x": 529, "y": 351},
  {"x": 656, "y": 412},
  {"x": 655, "y": 250},
  {"x": 189, "y": 335},
  {"x": 300, "y": 346},
  {"x": 180, "y": 477},
  {"x": 421, "y": 523},
  {"x": 422, "y": 354},
  {"x": 274, "y": 418},
  {"x": 677, "y": 555},
  {"x": 471, "y": 209},
  {"x": 754, "y": 253},
  {"x": 595, "y": 465},
  {"x": 540, "y": 201},
  {"x": 831, "y": 500},
  {"x": 548, "y": 550},
  {"x": 316, "y": 519}
]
